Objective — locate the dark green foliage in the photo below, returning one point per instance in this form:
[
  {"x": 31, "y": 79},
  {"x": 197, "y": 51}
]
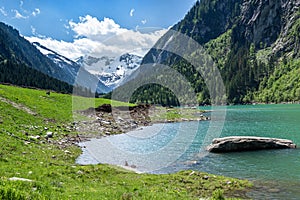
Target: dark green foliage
[
  {"x": 154, "y": 94},
  {"x": 218, "y": 15},
  {"x": 11, "y": 194},
  {"x": 18, "y": 190},
  {"x": 242, "y": 49},
  {"x": 20, "y": 74},
  {"x": 19, "y": 51},
  {"x": 51, "y": 167},
  {"x": 283, "y": 85},
  {"x": 218, "y": 195},
  {"x": 22, "y": 64}
]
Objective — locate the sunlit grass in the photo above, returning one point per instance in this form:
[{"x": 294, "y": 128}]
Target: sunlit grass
[
  {"x": 52, "y": 168},
  {"x": 54, "y": 106}
]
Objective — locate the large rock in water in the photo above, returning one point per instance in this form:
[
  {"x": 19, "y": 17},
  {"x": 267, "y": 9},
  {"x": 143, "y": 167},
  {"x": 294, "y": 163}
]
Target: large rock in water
[{"x": 248, "y": 143}]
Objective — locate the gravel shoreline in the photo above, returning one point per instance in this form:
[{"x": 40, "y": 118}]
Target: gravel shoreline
[{"x": 105, "y": 121}]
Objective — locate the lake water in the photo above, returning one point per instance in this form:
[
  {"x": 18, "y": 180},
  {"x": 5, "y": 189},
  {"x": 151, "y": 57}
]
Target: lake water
[{"x": 170, "y": 147}]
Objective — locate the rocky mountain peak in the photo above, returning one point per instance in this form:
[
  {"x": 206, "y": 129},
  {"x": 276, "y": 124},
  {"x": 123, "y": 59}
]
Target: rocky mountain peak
[
  {"x": 247, "y": 39},
  {"x": 264, "y": 21}
]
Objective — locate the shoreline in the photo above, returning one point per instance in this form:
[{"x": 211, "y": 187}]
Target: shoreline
[
  {"x": 46, "y": 145},
  {"x": 102, "y": 120},
  {"x": 106, "y": 121}
]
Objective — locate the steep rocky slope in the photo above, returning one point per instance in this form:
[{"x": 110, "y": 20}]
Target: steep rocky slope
[{"x": 254, "y": 43}]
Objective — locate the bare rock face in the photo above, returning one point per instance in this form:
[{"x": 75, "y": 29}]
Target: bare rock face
[
  {"x": 269, "y": 23},
  {"x": 248, "y": 143}
]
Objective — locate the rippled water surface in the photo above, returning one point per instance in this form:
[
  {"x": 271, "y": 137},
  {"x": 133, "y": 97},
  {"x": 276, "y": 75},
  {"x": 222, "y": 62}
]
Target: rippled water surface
[{"x": 166, "y": 148}]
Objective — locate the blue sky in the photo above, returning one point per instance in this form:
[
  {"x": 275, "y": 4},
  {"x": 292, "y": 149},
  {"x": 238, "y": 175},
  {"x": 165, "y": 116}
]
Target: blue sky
[{"x": 69, "y": 21}]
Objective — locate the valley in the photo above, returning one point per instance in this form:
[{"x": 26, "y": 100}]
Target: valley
[
  {"x": 120, "y": 99},
  {"x": 49, "y": 163}
]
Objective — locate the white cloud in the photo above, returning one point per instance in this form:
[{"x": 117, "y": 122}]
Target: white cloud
[
  {"x": 67, "y": 49},
  {"x": 22, "y": 13},
  {"x": 18, "y": 15},
  {"x": 36, "y": 12},
  {"x": 92, "y": 28},
  {"x": 131, "y": 12},
  {"x": 101, "y": 38},
  {"x": 35, "y": 33},
  {"x": 137, "y": 27},
  {"x": 33, "y": 30},
  {"x": 3, "y": 12},
  {"x": 144, "y": 21}
]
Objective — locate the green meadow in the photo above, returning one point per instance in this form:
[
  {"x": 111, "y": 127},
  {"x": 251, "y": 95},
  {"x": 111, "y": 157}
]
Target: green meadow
[{"x": 50, "y": 172}]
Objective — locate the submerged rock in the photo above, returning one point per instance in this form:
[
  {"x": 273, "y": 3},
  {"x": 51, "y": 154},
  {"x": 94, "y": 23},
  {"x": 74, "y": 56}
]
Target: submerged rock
[{"x": 248, "y": 143}]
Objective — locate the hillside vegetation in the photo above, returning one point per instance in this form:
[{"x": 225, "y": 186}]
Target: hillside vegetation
[
  {"x": 254, "y": 44},
  {"x": 22, "y": 64},
  {"x": 50, "y": 171}
]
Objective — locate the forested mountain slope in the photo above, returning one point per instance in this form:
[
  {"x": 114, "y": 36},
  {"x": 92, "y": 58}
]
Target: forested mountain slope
[
  {"x": 21, "y": 63},
  {"x": 254, "y": 43}
]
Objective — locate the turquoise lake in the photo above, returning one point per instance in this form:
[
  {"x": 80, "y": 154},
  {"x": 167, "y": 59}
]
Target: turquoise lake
[{"x": 171, "y": 147}]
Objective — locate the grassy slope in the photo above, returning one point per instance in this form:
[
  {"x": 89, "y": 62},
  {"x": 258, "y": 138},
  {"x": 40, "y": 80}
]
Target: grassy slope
[
  {"x": 53, "y": 170},
  {"x": 282, "y": 86}
]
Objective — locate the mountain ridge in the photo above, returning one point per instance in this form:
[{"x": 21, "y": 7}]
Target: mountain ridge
[
  {"x": 111, "y": 71},
  {"x": 248, "y": 40},
  {"x": 20, "y": 52},
  {"x": 15, "y": 67}
]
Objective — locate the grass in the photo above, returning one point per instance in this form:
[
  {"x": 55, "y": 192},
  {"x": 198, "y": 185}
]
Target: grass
[
  {"x": 55, "y": 106},
  {"x": 160, "y": 114},
  {"x": 52, "y": 168}
]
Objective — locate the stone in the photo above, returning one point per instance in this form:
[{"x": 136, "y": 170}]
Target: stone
[
  {"x": 79, "y": 172},
  {"x": 49, "y": 134},
  {"x": 274, "y": 190},
  {"x": 19, "y": 179},
  {"x": 105, "y": 122},
  {"x": 67, "y": 152},
  {"x": 190, "y": 162},
  {"x": 37, "y": 137},
  {"x": 248, "y": 143},
  {"x": 193, "y": 172}
]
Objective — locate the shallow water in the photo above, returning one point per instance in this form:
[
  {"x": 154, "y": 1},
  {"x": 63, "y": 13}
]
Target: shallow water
[{"x": 167, "y": 148}]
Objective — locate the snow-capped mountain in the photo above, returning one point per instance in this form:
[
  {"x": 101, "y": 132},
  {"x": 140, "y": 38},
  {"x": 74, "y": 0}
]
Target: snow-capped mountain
[
  {"x": 70, "y": 70},
  {"x": 112, "y": 72},
  {"x": 109, "y": 72},
  {"x": 61, "y": 61}
]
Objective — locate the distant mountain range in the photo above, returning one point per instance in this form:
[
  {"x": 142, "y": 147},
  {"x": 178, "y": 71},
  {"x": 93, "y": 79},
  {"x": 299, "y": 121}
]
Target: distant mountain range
[
  {"x": 103, "y": 73},
  {"x": 254, "y": 43},
  {"x": 112, "y": 72},
  {"x": 71, "y": 69},
  {"x": 23, "y": 59}
]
